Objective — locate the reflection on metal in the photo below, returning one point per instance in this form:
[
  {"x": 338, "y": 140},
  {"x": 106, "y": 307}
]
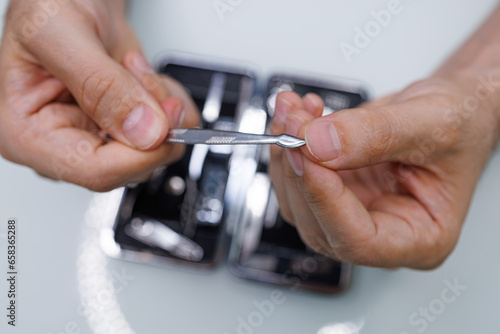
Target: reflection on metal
[
  {"x": 271, "y": 101},
  {"x": 210, "y": 211},
  {"x": 155, "y": 234},
  {"x": 272, "y": 210},
  {"x": 198, "y": 157},
  {"x": 175, "y": 186},
  {"x": 337, "y": 101},
  {"x": 95, "y": 283},
  {"x": 343, "y": 328},
  {"x": 256, "y": 201},
  {"x": 254, "y": 213},
  {"x": 213, "y": 103},
  {"x": 219, "y": 137},
  {"x": 243, "y": 165}
]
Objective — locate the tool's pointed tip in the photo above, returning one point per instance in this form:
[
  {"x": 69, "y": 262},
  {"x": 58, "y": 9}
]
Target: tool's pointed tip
[{"x": 288, "y": 141}]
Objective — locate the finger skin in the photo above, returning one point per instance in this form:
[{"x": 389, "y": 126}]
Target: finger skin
[
  {"x": 69, "y": 48},
  {"x": 192, "y": 114},
  {"x": 394, "y": 231},
  {"x": 313, "y": 104},
  {"x": 410, "y": 130},
  {"x": 66, "y": 149},
  {"x": 303, "y": 217},
  {"x": 285, "y": 103},
  {"x": 58, "y": 98},
  {"x": 414, "y": 222},
  {"x": 63, "y": 142},
  {"x": 135, "y": 62},
  {"x": 363, "y": 217}
]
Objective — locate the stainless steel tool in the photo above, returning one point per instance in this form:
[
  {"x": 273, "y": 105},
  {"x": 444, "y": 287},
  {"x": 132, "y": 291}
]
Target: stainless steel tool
[{"x": 217, "y": 137}]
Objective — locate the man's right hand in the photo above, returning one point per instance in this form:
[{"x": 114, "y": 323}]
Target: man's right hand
[{"x": 71, "y": 72}]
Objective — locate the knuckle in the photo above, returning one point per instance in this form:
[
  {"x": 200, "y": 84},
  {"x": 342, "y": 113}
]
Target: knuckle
[{"x": 95, "y": 91}]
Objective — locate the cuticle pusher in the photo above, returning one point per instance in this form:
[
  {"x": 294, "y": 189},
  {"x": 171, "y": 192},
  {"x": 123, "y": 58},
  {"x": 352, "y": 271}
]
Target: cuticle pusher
[{"x": 218, "y": 137}]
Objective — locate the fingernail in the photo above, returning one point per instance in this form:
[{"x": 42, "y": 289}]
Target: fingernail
[
  {"x": 179, "y": 115},
  {"x": 323, "y": 141},
  {"x": 142, "y": 127},
  {"x": 282, "y": 109},
  {"x": 293, "y": 124},
  {"x": 142, "y": 64}
]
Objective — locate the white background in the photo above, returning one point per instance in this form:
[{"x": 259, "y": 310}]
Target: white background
[{"x": 298, "y": 37}]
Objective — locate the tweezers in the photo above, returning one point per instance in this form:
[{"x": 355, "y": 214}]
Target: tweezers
[{"x": 218, "y": 137}]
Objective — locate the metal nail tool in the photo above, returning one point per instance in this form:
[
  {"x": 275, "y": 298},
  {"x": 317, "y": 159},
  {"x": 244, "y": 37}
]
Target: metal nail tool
[{"x": 217, "y": 137}]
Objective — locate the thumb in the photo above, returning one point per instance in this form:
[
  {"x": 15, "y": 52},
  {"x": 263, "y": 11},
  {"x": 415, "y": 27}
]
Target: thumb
[
  {"x": 408, "y": 132},
  {"x": 106, "y": 91}
]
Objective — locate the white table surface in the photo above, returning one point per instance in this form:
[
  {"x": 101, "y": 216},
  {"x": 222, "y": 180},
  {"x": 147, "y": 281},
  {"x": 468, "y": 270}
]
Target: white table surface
[{"x": 60, "y": 264}]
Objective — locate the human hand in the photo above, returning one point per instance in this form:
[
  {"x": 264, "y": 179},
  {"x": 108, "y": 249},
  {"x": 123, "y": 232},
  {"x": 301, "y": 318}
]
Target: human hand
[
  {"x": 71, "y": 73},
  {"x": 387, "y": 184}
]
